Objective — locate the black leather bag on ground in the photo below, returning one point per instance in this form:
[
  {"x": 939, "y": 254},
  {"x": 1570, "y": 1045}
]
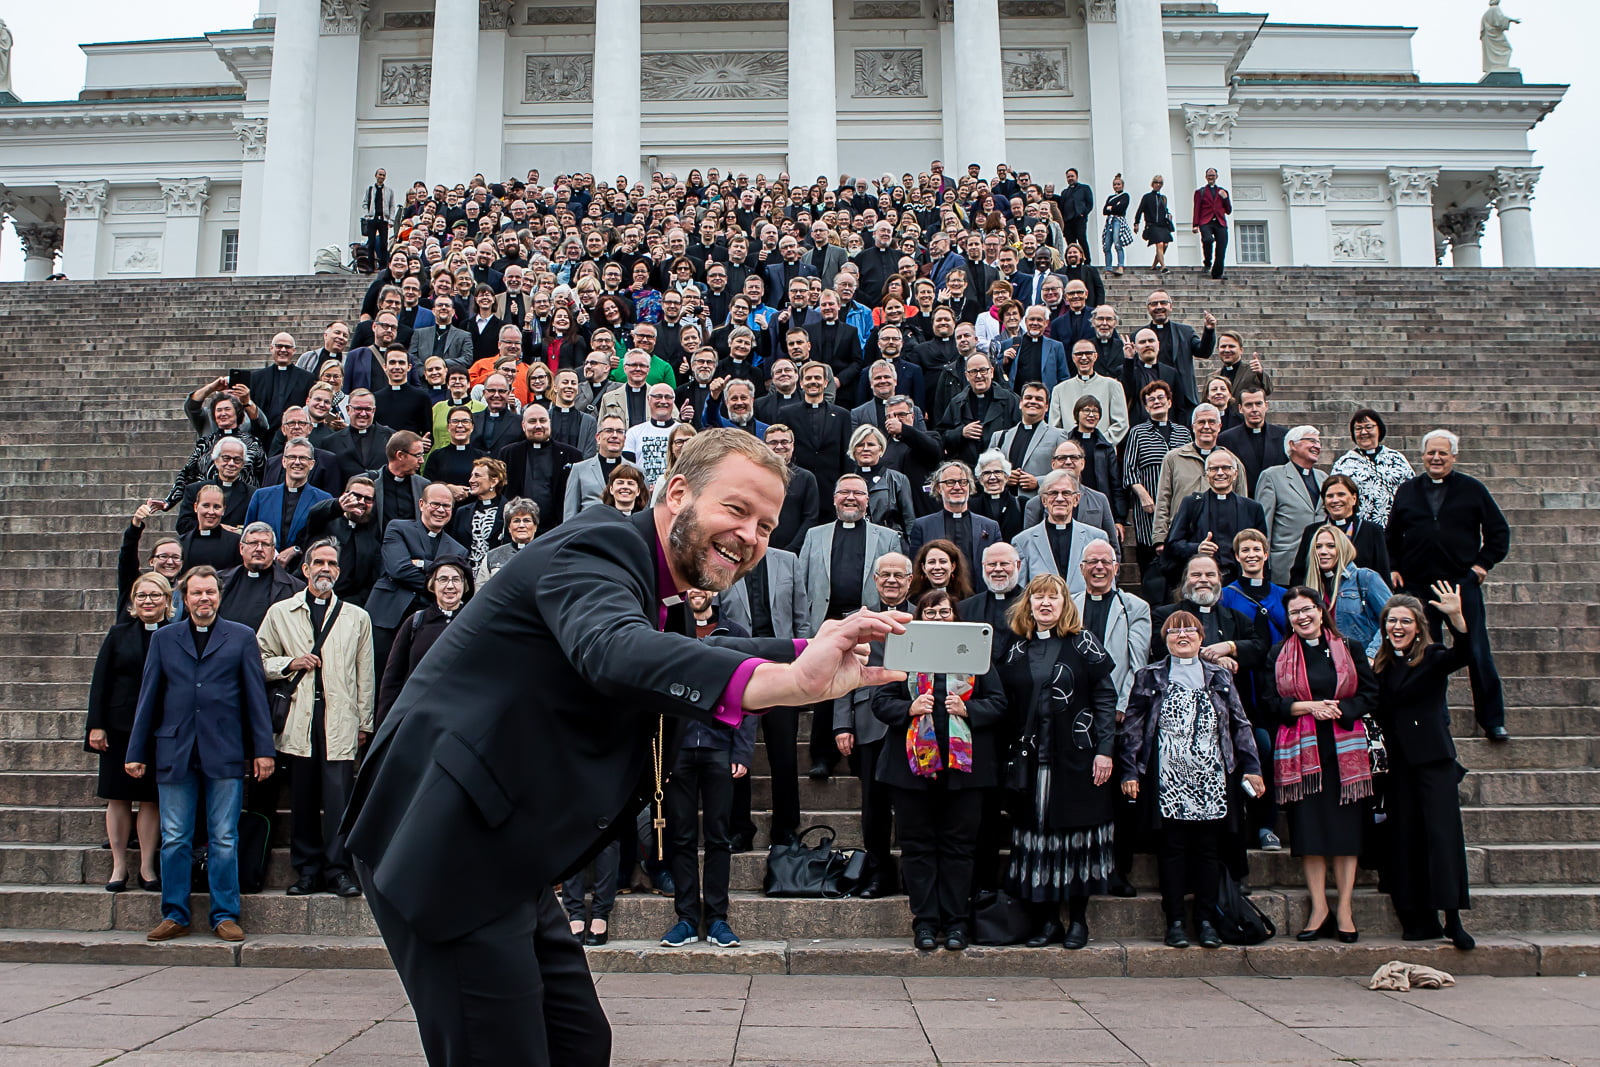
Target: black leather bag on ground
[
  {"x": 1238, "y": 920},
  {"x": 998, "y": 918},
  {"x": 255, "y": 848},
  {"x": 798, "y": 869}
]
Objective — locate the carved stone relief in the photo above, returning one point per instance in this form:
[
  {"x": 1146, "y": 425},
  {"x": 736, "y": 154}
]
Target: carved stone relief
[
  {"x": 496, "y": 14},
  {"x": 1034, "y": 70},
  {"x": 1354, "y": 192},
  {"x": 84, "y": 200},
  {"x": 558, "y": 79},
  {"x": 1413, "y": 185},
  {"x": 408, "y": 20},
  {"x": 341, "y": 18},
  {"x": 135, "y": 254},
  {"x": 1307, "y": 185},
  {"x": 186, "y": 197},
  {"x": 144, "y": 205},
  {"x": 888, "y": 9},
  {"x": 1357, "y": 242},
  {"x": 39, "y": 240},
  {"x": 405, "y": 82},
  {"x": 889, "y": 72},
  {"x": 1210, "y": 127},
  {"x": 1249, "y": 192},
  {"x": 714, "y": 75},
  {"x": 252, "y": 134},
  {"x": 1100, "y": 10}
]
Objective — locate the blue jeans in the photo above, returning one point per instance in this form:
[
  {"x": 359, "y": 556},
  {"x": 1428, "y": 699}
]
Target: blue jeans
[
  {"x": 1109, "y": 246},
  {"x": 179, "y": 800}
]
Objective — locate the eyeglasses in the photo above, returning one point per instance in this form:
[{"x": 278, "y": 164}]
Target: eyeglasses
[
  {"x": 258, "y": 544},
  {"x": 951, "y": 483},
  {"x": 167, "y": 557},
  {"x": 849, "y": 493},
  {"x": 149, "y": 596},
  {"x": 1182, "y": 631},
  {"x": 938, "y": 613},
  {"x": 1296, "y": 613},
  {"x": 1059, "y": 494},
  {"x": 417, "y": 454},
  {"x": 1067, "y": 459},
  {"x": 897, "y": 576}
]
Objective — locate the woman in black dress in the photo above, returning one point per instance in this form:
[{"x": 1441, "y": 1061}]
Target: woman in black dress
[
  {"x": 995, "y": 498},
  {"x": 1060, "y": 692},
  {"x": 1427, "y": 869},
  {"x": 450, "y": 584},
  {"x": 113, "y": 698},
  {"x": 1322, "y": 774},
  {"x": 1157, "y": 222},
  {"x": 939, "y": 758}
]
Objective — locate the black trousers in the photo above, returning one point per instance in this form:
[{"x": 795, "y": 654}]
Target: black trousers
[
  {"x": 319, "y": 790},
  {"x": 1189, "y": 863},
  {"x": 877, "y": 806},
  {"x": 1214, "y": 246},
  {"x": 382, "y": 642},
  {"x": 779, "y": 729},
  {"x": 514, "y": 993},
  {"x": 599, "y": 879},
  {"x": 1428, "y": 861},
  {"x": 823, "y": 748},
  {"x": 1488, "y": 697},
  {"x": 1075, "y": 231},
  {"x": 378, "y": 241},
  {"x": 994, "y": 834},
  {"x": 1152, "y": 576},
  {"x": 700, "y": 794},
  {"x": 938, "y": 830}
]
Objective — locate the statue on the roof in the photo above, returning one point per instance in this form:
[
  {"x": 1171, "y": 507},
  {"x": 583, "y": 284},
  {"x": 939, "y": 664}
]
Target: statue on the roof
[
  {"x": 5, "y": 58},
  {"x": 1496, "y": 46}
]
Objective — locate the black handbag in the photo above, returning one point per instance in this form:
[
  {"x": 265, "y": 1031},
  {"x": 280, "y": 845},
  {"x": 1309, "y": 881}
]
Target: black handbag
[
  {"x": 280, "y": 694},
  {"x": 796, "y": 869},
  {"x": 1019, "y": 771},
  {"x": 1237, "y": 919},
  {"x": 998, "y": 918}
]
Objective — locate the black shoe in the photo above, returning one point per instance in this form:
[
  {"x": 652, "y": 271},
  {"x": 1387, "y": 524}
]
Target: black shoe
[
  {"x": 116, "y": 885},
  {"x": 1497, "y": 735},
  {"x": 1176, "y": 938},
  {"x": 1458, "y": 935},
  {"x": 305, "y": 885},
  {"x": 344, "y": 886},
  {"x": 1349, "y": 937},
  {"x": 1077, "y": 936},
  {"x": 873, "y": 889},
  {"x": 955, "y": 939},
  {"x": 1049, "y": 933},
  {"x": 924, "y": 939},
  {"x": 743, "y": 843},
  {"x": 820, "y": 771},
  {"x": 1312, "y": 933},
  {"x": 150, "y": 885},
  {"x": 593, "y": 939},
  {"x": 787, "y": 837},
  {"x": 1209, "y": 938},
  {"x": 1121, "y": 887}
]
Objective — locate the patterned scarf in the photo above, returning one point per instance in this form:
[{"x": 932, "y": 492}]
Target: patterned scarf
[
  {"x": 922, "y": 739},
  {"x": 1297, "y": 765}
]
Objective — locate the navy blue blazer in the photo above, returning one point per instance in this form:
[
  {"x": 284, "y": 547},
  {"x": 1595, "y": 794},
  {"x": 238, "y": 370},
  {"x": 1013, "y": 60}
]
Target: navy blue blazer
[
  {"x": 266, "y": 505},
  {"x": 212, "y": 708},
  {"x": 985, "y": 532}
]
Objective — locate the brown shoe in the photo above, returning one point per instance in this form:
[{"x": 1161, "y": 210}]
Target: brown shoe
[
  {"x": 229, "y": 930},
  {"x": 167, "y": 931}
]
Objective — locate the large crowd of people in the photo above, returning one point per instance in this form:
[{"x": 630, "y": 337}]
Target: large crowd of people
[{"x": 971, "y": 432}]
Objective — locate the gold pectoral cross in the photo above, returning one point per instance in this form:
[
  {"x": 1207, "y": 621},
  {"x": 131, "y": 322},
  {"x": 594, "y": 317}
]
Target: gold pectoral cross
[{"x": 657, "y": 748}]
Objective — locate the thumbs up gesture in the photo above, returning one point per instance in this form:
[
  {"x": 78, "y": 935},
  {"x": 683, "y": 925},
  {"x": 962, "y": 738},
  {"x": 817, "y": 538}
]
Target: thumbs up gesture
[{"x": 1208, "y": 547}]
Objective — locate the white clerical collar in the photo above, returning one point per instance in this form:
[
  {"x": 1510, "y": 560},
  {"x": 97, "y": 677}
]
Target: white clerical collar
[
  {"x": 1312, "y": 641},
  {"x": 1062, "y": 525},
  {"x": 290, "y": 488},
  {"x": 1205, "y": 609},
  {"x": 396, "y": 388},
  {"x": 432, "y": 533},
  {"x": 459, "y": 448},
  {"x": 152, "y": 626},
  {"x": 562, "y": 409},
  {"x": 398, "y": 479},
  {"x": 1186, "y": 661},
  {"x": 1085, "y": 377},
  {"x": 202, "y": 629},
  {"x": 320, "y": 602},
  {"x": 814, "y": 405},
  {"x": 205, "y": 533},
  {"x": 1254, "y": 430},
  {"x": 956, "y": 514},
  {"x": 227, "y": 484},
  {"x": 1096, "y": 596},
  {"x": 494, "y": 414},
  {"x": 1221, "y": 496},
  {"x": 361, "y": 433},
  {"x": 248, "y": 573},
  {"x": 847, "y": 525},
  {"x": 1435, "y": 481},
  {"x": 448, "y": 613},
  {"x": 536, "y": 444}
]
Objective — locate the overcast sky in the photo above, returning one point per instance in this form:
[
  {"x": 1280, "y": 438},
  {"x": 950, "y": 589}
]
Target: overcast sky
[{"x": 1555, "y": 44}]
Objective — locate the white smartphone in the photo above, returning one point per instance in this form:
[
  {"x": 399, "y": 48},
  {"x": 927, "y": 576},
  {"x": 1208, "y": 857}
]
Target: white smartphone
[{"x": 940, "y": 648}]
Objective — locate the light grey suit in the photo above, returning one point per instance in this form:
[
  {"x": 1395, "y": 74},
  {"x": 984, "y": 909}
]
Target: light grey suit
[
  {"x": 1127, "y": 638},
  {"x": 456, "y": 350},
  {"x": 816, "y": 557},
  {"x": 1036, "y": 461},
  {"x": 585, "y": 483},
  {"x": 786, "y": 598},
  {"x": 1093, "y": 508},
  {"x": 1033, "y": 545},
  {"x": 1282, "y": 495},
  {"x": 833, "y": 258}
]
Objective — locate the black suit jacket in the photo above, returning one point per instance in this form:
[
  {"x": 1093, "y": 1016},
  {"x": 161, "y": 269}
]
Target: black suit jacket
[
  {"x": 300, "y": 383},
  {"x": 1238, "y": 440},
  {"x": 1132, "y": 382},
  {"x": 799, "y": 514},
  {"x": 492, "y": 434},
  {"x": 1003, "y": 414},
  {"x": 235, "y": 502},
  {"x": 843, "y": 353},
  {"x": 1200, "y": 514},
  {"x": 515, "y": 457},
  {"x": 359, "y": 453},
  {"x": 445, "y": 798},
  {"x": 826, "y": 454},
  {"x": 118, "y": 670}
]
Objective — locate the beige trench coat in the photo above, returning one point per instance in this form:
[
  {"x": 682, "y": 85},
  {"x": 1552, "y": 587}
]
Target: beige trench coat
[{"x": 347, "y": 674}]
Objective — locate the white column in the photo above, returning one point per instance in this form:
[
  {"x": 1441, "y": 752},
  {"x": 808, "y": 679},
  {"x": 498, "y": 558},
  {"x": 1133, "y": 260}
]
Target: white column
[
  {"x": 453, "y": 93},
  {"x": 1413, "y": 211},
  {"x": 949, "y": 143},
  {"x": 1306, "y": 189},
  {"x": 1146, "y": 127},
  {"x": 333, "y": 216},
  {"x": 186, "y": 207},
  {"x": 1513, "y": 199},
  {"x": 286, "y": 181},
  {"x": 980, "y": 93},
  {"x": 1105, "y": 101},
  {"x": 813, "y": 107},
  {"x": 494, "y": 18},
  {"x": 617, "y": 116},
  {"x": 1210, "y": 132},
  {"x": 80, "y": 249},
  {"x": 1463, "y": 228},
  {"x": 40, "y": 243},
  {"x": 252, "y": 134}
]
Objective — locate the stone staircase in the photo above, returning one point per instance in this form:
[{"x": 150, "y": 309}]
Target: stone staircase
[{"x": 1498, "y": 356}]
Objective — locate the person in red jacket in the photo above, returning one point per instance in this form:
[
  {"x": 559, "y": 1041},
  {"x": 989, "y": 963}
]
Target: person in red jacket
[{"x": 1211, "y": 210}]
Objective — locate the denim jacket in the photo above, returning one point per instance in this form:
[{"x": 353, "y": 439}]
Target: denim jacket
[{"x": 1362, "y": 595}]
